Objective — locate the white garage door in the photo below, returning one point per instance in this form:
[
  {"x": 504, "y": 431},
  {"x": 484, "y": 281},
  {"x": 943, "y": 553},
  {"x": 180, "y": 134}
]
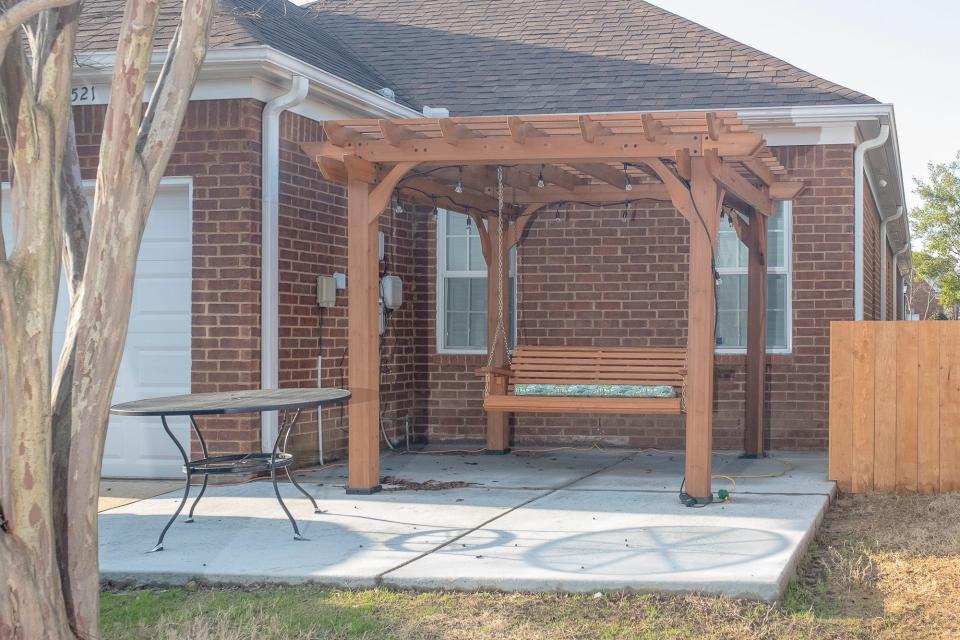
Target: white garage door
[{"x": 156, "y": 357}]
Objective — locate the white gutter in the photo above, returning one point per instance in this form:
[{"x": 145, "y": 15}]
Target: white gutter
[
  {"x": 270, "y": 249},
  {"x": 896, "y": 290},
  {"x": 245, "y": 63},
  {"x": 883, "y": 262},
  {"x": 858, "y": 201}
]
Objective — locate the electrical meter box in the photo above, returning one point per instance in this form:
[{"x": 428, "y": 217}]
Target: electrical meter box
[
  {"x": 326, "y": 292},
  {"x": 391, "y": 291}
]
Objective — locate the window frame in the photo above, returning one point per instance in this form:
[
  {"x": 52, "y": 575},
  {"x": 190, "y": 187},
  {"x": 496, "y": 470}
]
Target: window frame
[
  {"x": 786, "y": 270},
  {"x": 441, "y": 289}
]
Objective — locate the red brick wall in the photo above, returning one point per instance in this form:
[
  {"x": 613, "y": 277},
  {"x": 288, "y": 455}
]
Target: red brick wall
[
  {"x": 219, "y": 147},
  {"x": 312, "y": 243},
  {"x": 593, "y": 279}
]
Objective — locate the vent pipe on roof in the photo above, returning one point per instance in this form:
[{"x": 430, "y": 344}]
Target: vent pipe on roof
[
  {"x": 270, "y": 248},
  {"x": 436, "y": 112},
  {"x": 858, "y": 199}
]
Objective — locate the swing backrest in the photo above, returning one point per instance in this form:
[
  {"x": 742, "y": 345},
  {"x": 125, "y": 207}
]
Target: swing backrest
[{"x": 648, "y": 366}]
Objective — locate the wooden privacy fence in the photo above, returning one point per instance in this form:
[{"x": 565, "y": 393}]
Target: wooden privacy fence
[{"x": 895, "y": 406}]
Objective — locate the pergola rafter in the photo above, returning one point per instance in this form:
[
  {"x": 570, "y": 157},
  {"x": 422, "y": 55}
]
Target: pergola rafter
[{"x": 700, "y": 162}]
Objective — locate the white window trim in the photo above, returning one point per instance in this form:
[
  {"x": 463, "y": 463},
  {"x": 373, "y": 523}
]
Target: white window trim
[
  {"x": 786, "y": 270},
  {"x": 442, "y": 274}
]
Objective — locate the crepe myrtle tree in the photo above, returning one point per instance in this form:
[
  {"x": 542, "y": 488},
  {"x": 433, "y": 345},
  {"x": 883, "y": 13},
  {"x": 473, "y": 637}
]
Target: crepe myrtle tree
[
  {"x": 936, "y": 223},
  {"x": 53, "y": 420}
]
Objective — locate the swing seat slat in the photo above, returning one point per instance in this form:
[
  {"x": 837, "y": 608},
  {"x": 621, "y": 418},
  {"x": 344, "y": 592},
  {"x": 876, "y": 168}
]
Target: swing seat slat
[{"x": 640, "y": 366}]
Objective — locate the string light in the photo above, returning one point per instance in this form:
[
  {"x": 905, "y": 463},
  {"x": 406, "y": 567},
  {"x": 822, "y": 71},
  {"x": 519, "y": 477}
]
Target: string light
[
  {"x": 627, "y": 185},
  {"x": 434, "y": 208},
  {"x": 397, "y": 205},
  {"x": 540, "y": 181},
  {"x": 459, "y": 187},
  {"x": 556, "y": 218}
]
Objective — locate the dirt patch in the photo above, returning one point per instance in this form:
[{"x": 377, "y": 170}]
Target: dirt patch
[{"x": 393, "y": 483}]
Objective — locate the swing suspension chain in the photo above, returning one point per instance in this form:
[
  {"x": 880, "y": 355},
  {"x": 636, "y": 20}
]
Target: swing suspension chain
[{"x": 500, "y": 333}]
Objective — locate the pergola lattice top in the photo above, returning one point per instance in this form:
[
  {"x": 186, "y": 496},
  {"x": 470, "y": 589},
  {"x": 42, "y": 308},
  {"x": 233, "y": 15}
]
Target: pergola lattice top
[{"x": 596, "y": 158}]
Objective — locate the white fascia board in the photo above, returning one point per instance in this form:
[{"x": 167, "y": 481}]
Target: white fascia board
[{"x": 258, "y": 72}]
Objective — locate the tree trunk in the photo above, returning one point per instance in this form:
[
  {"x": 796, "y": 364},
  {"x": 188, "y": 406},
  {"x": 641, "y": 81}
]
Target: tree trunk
[{"x": 53, "y": 428}]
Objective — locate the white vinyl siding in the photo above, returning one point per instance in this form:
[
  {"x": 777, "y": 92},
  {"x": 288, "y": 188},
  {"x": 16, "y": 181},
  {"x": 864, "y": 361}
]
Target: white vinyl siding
[{"x": 732, "y": 264}]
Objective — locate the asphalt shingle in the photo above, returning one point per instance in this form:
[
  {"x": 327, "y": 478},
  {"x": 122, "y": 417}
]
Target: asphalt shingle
[
  {"x": 520, "y": 56},
  {"x": 240, "y": 23}
]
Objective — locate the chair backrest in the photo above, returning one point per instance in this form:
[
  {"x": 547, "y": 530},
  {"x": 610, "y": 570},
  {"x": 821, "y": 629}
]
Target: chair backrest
[{"x": 608, "y": 365}]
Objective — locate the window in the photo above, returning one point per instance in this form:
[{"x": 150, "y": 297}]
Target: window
[
  {"x": 732, "y": 261},
  {"x": 462, "y": 287}
]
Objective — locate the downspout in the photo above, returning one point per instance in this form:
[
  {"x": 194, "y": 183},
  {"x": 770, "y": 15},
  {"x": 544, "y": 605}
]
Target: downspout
[
  {"x": 883, "y": 264},
  {"x": 897, "y": 290},
  {"x": 270, "y": 249},
  {"x": 858, "y": 200}
]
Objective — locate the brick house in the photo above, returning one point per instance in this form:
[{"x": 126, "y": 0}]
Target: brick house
[{"x": 206, "y": 318}]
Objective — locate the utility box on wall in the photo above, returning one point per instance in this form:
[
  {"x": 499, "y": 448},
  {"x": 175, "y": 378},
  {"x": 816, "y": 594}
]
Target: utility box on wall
[{"x": 326, "y": 292}]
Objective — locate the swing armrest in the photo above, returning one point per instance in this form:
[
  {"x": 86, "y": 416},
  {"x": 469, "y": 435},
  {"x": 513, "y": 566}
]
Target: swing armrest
[{"x": 496, "y": 371}]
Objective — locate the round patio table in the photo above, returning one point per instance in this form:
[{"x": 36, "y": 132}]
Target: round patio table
[{"x": 289, "y": 402}]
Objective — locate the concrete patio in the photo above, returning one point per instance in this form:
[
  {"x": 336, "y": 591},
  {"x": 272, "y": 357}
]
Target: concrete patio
[{"x": 560, "y": 520}]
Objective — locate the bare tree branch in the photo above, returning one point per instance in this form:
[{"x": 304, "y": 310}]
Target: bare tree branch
[
  {"x": 75, "y": 215},
  {"x": 124, "y": 113},
  {"x": 170, "y": 99},
  {"x": 21, "y": 13}
]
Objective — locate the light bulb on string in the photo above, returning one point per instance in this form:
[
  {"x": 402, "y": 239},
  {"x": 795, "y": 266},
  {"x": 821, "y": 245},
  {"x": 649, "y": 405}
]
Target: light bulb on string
[
  {"x": 540, "y": 181},
  {"x": 627, "y": 185},
  {"x": 459, "y": 187}
]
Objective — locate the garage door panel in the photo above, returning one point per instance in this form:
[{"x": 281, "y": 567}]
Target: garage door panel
[{"x": 156, "y": 359}]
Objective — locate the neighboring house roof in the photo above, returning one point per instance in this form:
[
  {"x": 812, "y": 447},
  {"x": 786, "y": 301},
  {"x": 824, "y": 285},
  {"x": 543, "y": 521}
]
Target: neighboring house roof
[
  {"x": 523, "y": 56},
  {"x": 239, "y": 23}
]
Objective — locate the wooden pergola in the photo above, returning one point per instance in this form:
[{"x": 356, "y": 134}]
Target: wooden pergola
[{"x": 704, "y": 163}]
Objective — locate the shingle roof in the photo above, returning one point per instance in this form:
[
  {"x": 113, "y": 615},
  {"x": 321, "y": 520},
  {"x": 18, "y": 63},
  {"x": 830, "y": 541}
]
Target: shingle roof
[
  {"x": 238, "y": 23},
  {"x": 527, "y": 56}
]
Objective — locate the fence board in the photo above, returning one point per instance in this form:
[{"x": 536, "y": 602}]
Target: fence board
[
  {"x": 895, "y": 406},
  {"x": 908, "y": 369},
  {"x": 841, "y": 405},
  {"x": 949, "y": 408},
  {"x": 864, "y": 399},
  {"x": 928, "y": 409},
  {"x": 885, "y": 407}
]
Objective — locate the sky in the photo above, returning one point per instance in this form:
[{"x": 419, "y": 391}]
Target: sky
[{"x": 905, "y": 52}]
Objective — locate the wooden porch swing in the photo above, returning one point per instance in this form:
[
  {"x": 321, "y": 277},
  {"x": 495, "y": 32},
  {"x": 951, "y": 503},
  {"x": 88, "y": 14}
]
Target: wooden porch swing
[
  {"x": 597, "y": 373},
  {"x": 502, "y": 171}
]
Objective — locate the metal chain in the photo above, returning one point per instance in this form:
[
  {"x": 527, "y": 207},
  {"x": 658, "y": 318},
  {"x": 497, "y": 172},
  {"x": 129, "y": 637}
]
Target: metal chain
[{"x": 499, "y": 334}]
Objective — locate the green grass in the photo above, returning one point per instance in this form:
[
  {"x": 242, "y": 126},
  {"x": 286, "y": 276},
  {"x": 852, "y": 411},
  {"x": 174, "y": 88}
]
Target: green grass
[{"x": 881, "y": 567}]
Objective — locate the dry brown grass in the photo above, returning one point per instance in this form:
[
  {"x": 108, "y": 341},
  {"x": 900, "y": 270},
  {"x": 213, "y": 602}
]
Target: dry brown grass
[{"x": 884, "y": 567}]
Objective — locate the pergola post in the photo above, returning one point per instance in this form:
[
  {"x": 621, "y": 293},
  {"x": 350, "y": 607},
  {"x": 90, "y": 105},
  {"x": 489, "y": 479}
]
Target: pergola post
[
  {"x": 363, "y": 340},
  {"x": 756, "y": 335},
  {"x": 498, "y": 422},
  {"x": 701, "y": 340}
]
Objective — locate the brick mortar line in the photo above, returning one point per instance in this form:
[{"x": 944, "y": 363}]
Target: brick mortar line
[{"x": 378, "y": 579}]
